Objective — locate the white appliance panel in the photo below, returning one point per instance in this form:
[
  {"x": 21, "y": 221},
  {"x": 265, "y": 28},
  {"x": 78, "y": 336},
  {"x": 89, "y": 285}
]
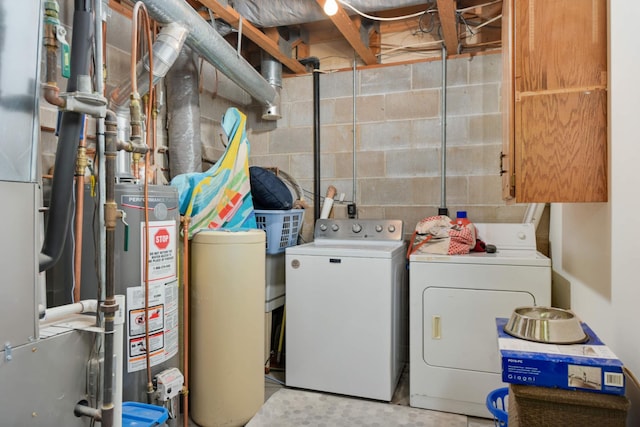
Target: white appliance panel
[
  {"x": 456, "y": 320},
  {"x": 458, "y": 298},
  {"x": 339, "y": 321}
]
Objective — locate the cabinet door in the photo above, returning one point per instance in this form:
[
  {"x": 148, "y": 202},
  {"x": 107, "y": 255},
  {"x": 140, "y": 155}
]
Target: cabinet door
[
  {"x": 555, "y": 100},
  {"x": 561, "y": 147}
]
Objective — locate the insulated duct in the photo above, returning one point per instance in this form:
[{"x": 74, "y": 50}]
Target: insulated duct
[
  {"x": 183, "y": 104},
  {"x": 276, "y": 13},
  {"x": 204, "y": 39},
  {"x": 70, "y": 125}
]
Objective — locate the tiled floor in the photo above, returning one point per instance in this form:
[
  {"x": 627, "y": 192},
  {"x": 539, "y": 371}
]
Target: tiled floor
[{"x": 274, "y": 381}]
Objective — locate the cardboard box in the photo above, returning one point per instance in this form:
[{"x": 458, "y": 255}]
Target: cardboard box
[{"x": 590, "y": 366}]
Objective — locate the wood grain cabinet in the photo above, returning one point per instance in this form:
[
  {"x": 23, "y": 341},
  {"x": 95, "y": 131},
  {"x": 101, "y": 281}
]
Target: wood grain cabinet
[{"x": 554, "y": 100}]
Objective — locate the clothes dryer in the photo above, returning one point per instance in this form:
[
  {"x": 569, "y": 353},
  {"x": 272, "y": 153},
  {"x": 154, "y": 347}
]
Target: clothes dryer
[{"x": 454, "y": 301}]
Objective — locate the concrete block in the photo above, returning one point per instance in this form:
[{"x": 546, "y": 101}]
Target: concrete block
[
  {"x": 457, "y": 72},
  {"x": 368, "y": 164},
  {"x": 301, "y": 114},
  {"x": 291, "y": 141},
  {"x": 426, "y": 75},
  {"x": 337, "y": 139},
  {"x": 413, "y": 163},
  {"x": 295, "y": 89},
  {"x": 302, "y": 166},
  {"x": 485, "y": 128},
  {"x": 426, "y": 133},
  {"x": 281, "y": 162},
  {"x": 474, "y": 99},
  {"x": 259, "y": 142},
  {"x": 387, "y": 191},
  {"x": 337, "y": 85},
  {"x": 409, "y": 105},
  {"x": 485, "y": 68},
  {"x": 385, "y": 135},
  {"x": 473, "y": 160},
  {"x": 368, "y": 109},
  {"x": 118, "y": 66},
  {"x": 385, "y": 80},
  {"x": 327, "y": 111},
  {"x": 485, "y": 189}
]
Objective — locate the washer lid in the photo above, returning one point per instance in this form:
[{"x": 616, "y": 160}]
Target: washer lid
[
  {"x": 341, "y": 248},
  {"x": 501, "y": 257}
]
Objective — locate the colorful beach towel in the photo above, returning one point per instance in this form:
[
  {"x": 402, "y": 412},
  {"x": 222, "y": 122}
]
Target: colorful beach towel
[{"x": 220, "y": 198}]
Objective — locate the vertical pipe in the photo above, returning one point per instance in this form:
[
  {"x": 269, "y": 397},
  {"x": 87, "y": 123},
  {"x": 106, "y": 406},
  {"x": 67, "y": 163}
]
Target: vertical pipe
[
  {"x": 185, "y": 318},
  {"x": 110, "y": 305},
  {"x": 60, "y": 207},
  {"x": 443, "y": 148},
  {"x": 315, "y": 63},
  {"x": 355, "y": 163},
  {"x": 100, "y": 129},
  {"x": 119, "y": 352},
  {"x": 81, "y": 164}
]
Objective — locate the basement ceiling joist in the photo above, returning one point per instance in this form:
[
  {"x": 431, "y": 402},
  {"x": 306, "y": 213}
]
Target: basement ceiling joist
[
  {"x": 351, "y": 33},
  {"x": 465, "y": 26}
]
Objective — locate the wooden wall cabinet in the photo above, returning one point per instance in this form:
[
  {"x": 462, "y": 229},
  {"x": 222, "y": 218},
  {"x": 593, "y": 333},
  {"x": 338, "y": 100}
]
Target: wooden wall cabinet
[{"x": 554, "y": 100}]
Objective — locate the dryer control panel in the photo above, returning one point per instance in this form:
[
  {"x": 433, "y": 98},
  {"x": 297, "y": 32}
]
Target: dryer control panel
[{"x": 359, "y": 229}]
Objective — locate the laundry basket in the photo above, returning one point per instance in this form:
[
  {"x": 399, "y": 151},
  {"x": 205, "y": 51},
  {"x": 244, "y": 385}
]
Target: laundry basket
[
  {"x": 497, "y": 405},
  {"x": 282, "y": 228}
]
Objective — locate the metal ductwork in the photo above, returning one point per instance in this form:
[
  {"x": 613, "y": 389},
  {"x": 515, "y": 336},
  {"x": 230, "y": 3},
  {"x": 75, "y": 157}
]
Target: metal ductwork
[
  {"x": 165, "y": 51},
  {"x": 276, "y": 13},
  {"x": 272, "y": 72},
  {"x": 205, "y": 40}
]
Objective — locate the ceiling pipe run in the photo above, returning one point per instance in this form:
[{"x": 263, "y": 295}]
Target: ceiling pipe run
[{"x": 204, "y": 39}]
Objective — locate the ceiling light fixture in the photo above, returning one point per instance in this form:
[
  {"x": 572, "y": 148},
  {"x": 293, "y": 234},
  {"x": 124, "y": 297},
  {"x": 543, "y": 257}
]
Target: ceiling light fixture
[{"x": 330, "y": 7}]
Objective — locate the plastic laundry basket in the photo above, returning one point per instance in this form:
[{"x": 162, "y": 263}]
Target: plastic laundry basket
[
  {"x": 497, "y": 405},
  {"x": 282, "y": 228}
]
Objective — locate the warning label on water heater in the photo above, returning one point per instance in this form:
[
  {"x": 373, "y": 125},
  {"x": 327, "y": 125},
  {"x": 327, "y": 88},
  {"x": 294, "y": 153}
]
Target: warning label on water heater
[
  {"x": 161, "y": 321},
  {"x": 162, "y": 251}
]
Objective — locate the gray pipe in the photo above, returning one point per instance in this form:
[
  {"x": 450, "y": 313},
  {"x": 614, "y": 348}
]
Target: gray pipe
[
  {"x": 205, "y": 40},
  {"x": 443, "y": 123},
  {"x": 60, "y": 206}
]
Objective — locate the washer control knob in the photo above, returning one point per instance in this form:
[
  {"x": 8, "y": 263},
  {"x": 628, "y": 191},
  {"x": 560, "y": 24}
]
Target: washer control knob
[
  {"x": 356, "y": 228},
  {"x": 335, "y": 227},
  {"x": 522, "y": 236},
  {"x": 323, "y": 227},
  {"x": 392, "y": 228},
  {"x": 379, "y": 228}
]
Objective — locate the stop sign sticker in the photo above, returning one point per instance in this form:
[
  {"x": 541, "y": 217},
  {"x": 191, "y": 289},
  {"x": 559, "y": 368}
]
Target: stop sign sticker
[{"x": 161, "y": 238}]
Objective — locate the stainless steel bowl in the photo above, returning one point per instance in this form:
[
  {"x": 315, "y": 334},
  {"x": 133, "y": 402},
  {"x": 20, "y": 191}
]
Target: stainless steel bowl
[{"x": 546, "y": 325}]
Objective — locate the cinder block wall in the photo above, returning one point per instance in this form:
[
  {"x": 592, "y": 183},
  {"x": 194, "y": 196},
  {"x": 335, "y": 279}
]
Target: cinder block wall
[
  {"x": 397, "y": 139},
  {"x": 397, "y": 133}
]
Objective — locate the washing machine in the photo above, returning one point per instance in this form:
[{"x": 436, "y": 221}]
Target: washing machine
[
  {"x": 454, "y": 300},
  {"x": 346, "y": 308}
]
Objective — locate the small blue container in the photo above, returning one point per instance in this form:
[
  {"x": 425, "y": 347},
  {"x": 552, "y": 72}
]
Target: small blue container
[
  {"x": 497, "y": 405},
  {"x": 135, "y": 414}
]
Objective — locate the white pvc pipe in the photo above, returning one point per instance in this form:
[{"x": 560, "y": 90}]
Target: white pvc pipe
[
  {"x": 118, "y": 349},
  {"x": 57, "y": 313}
]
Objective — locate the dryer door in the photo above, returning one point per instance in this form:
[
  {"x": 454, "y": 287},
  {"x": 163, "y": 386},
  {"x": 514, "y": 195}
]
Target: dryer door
[{"x": 459, "y": 328}]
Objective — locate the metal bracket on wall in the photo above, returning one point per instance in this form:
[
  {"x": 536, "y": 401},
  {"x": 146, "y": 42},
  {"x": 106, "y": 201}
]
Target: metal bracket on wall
[{"x": 8, "y": 355}]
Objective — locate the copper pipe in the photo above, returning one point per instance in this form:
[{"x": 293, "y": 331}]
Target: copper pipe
[
  {"x": 136, "y": 133},
  {"x": 81, "y": 164},
  {"x": 185, "y": 317}
]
